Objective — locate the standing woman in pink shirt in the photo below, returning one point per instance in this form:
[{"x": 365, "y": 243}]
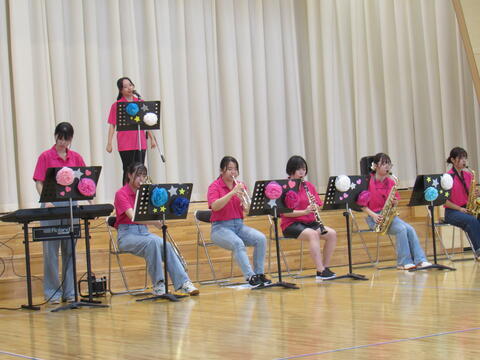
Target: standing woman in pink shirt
[
  {"x": 409, "y": 252},
  {"x": 228, "y": 229},
  {"x": 455, "y": 208},
  {"x": 59, "y": 155},
  {"x": 127, "y": 141}
]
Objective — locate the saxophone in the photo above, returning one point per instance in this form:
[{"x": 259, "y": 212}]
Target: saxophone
[
  {"x": 473, "y": 204},
  {"x": 389, "y": 210},
  {"x": 311, "y": 200}
]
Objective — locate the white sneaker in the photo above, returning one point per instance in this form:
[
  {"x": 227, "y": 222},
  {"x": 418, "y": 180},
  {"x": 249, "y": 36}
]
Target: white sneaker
[
  {"x": 189, "y": 289},
  {"x": 424, "y": 264},
  {"x": 406, "y": 267},
  {"x": 159, "y": 289}
]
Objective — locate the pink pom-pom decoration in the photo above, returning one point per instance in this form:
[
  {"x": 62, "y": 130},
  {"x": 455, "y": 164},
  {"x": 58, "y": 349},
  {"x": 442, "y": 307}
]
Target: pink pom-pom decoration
[
  {"x": 363, "y": 198},
  {"x": 291, "y": 199},
  {"x": 273, "y": 190},
  {"x": 87, "y": 187},
  {"x": 65, "y": 176}
]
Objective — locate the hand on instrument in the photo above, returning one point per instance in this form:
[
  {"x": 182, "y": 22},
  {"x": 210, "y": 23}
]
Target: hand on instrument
[{"x": 377, "y": 218}]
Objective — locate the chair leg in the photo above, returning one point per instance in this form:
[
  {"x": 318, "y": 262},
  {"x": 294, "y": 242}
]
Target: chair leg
[{"x": 364, "y": 244}]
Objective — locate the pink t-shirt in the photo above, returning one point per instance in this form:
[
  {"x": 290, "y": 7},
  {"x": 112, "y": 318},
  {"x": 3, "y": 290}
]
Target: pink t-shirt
[
  {"x": 50, "y": 158},
  {"x": 379, "y": 191},
  {"x": 458, "y": 195},
  {"x": 233, "y": 209},
  {"x": 303, "y": 203},
  {"x": 126, "y": 140},
  {"x": 124, "y": 200}
]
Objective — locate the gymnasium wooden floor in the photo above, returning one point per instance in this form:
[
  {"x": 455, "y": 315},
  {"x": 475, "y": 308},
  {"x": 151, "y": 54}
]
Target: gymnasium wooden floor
[{"x": 395, "y": 314}]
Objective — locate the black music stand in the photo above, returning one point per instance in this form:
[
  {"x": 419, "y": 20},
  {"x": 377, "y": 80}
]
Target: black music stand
[
  {"x": 131, "y": 116},
  {"x": 422, "y": 182},
  {"x": 145, "y": 210},
  {"x": 334, "y": 200},
  {"x": 52, "y": 192},
  {"x": 261, "y": 205}
]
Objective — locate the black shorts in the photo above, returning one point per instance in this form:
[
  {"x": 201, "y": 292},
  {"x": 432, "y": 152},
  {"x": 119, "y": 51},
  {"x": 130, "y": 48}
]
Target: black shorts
[{"x": 294, "y": 230}]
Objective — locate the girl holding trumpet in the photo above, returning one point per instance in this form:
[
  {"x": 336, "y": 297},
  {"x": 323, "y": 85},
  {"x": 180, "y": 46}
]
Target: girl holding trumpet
[
  {"x": 303, "y": 224},
  {"x": 228, "y": 200}
]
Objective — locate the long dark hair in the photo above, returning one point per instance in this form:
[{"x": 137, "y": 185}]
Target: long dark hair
[
  {"x": 457, "y": 152},
  {"x": 120, "y": 86}
]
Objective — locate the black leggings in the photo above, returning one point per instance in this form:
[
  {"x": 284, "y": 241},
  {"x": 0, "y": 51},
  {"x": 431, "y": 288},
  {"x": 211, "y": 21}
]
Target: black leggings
[{"x": 128, "y": 157}]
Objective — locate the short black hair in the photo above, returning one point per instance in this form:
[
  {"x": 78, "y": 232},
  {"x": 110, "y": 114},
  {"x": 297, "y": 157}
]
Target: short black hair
[
  {"x": 137, "y": 169},
  {"x": 120, "y": 86},
  {"x": 227, "y": 160},
  {"x": 457, "y": 152},
  {"x": 295, "y": 163},
  {"x": 64, "y": 131}
]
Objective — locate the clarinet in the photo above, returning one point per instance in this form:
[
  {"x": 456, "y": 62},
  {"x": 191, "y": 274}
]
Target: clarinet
[{"x": 311, "y": 200}]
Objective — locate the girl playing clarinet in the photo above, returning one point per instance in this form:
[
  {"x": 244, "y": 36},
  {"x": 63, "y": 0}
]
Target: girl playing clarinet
[{"x": 303, "y": 224}]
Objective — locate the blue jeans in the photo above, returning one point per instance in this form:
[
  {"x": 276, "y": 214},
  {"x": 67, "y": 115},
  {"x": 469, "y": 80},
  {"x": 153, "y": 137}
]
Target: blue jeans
[
  {"x": 408, "y": 246},
  {"x": 137, "y": 240},
  {"x": 235, "y": 236},
  {"x": 466, "y": 222},
  {"x": 51, "y": 281}
]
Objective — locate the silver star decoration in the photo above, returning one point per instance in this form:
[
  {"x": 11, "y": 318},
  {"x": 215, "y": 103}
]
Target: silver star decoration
[
  {"x": 144, "y": 108},
  {"x": 77, "y": 173},
  {"x": 435, "y": 182},
  {"x": 353, "y": 185},
  {"x": 173, "y": 191},
  {"x": 272, "y": 203}
]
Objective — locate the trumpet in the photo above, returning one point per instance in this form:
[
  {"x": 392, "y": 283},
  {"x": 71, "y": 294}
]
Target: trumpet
[{"x": 244, "y": 197}]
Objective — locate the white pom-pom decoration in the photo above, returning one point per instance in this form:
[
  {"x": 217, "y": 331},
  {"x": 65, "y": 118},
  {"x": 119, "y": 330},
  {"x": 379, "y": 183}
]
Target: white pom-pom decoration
[
  {"x": 446, "y": 181},
  {"x": 342, "y": 183},
  {"x": 150, "y": 119}
]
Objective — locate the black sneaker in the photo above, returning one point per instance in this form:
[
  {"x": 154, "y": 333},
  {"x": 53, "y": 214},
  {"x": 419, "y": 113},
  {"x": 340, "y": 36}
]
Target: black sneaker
[
  {"x": 255, "y": 281},
  {"x": 325, "y": 274},
  {"x": 264, "y": 279}
]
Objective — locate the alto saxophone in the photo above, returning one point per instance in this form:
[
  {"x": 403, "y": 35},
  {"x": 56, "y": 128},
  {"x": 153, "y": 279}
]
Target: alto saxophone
[
  {"x": 316, "y": 211},
  {"x": 473, "y": 204},
  {"x": 389, "y": 210}
]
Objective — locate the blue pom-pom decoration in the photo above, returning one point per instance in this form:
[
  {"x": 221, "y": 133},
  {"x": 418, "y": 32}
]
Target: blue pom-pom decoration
[
  {"x": 179, "y": 206},
  {"x": 132, "y": 109},
  {"x": 431, "y": 194},
  {"x": 159, "y": 197}
]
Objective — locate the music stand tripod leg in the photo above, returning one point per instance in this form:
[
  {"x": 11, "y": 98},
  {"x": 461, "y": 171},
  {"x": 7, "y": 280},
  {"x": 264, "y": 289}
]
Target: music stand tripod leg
[
  {"x": 435, "y": 265},
  {"x": 167, "y": 295},
  {"x": 280, "y": 283}
]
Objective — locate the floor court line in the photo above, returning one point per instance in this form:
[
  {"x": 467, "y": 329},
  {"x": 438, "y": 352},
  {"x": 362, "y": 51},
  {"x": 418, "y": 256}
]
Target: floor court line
[
  {"x": 19, "y": 355},
  {"x": 379, "y": 343}
]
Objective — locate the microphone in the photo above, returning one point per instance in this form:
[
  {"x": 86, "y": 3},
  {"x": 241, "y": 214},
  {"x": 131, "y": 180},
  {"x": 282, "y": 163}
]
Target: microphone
[{"x": 137, "y": 94}]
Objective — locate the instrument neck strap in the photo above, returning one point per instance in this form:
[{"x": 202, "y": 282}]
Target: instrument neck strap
[{"x": 462, "y": 179}]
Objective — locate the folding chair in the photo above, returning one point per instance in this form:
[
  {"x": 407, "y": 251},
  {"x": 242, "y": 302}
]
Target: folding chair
[
  {"x": 360, "y": 232},
  {"x": 271, "y": 239},
  {"x": 442, "y": 223},
  {"x": 203, "y": 216},
  {"x": 115, "y": 250}
]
